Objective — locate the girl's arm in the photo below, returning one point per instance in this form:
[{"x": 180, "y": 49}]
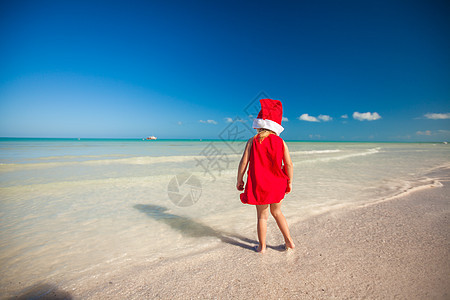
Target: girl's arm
[
  {"x": 243, "y": 165},
  {"x": 288, "y": 167}
]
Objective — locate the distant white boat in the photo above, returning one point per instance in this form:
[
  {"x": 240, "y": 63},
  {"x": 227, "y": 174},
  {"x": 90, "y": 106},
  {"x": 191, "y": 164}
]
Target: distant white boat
[{"x": 151, "y": 138}]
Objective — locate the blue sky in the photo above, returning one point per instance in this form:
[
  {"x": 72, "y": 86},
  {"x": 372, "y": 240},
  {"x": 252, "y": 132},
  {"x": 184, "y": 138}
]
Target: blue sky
[{"x": 129, "y": 69}]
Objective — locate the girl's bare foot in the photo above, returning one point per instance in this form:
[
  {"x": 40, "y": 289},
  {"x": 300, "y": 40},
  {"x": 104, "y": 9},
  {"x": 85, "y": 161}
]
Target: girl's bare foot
[
  {"x": 260, "y": 249},
  {"x": 289, "y": 244}
]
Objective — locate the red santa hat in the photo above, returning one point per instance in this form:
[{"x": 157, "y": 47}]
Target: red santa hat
[{"x": 270, "y": 116}]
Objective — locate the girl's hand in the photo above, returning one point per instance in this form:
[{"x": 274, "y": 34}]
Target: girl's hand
[
  {"x": 289, "y": 187},
  {"x": 240, "y": 185}
]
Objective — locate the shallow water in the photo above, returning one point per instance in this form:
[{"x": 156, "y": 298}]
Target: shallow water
[{"x": 71, "y": 210}]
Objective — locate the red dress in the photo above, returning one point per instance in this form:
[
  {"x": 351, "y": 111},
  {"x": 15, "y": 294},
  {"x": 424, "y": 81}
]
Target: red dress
[{"x": 266, "y": 181}]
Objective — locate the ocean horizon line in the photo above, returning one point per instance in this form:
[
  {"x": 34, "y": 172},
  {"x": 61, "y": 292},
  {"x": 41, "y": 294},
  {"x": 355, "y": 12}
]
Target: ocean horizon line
[{"x": 200, "y": 140}]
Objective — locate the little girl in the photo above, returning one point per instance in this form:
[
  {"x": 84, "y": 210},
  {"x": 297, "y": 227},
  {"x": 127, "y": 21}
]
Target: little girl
[{"x": 267, "y": 181}]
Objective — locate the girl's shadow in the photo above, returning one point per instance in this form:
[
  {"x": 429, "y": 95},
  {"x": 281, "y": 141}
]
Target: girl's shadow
[{"x": 193, "y": 228}]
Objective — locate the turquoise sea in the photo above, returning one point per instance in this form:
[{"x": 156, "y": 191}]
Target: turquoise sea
[{"x": 72, "y": 209}]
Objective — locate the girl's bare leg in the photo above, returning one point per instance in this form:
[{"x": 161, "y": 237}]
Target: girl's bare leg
[
  {"x": 263, "y": 214},
  {"x": 275, "y": 210}
]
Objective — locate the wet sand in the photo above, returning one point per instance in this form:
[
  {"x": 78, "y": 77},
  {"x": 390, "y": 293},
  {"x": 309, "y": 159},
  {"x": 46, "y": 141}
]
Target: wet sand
[{"x": 399, "y": 249}]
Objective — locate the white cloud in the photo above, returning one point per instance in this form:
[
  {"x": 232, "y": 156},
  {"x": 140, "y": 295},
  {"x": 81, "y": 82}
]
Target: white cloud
[
  {"x": 440, "y": 132},
  {"x": 306, "y": 117},
  {"x": 426, "y": 132},
  {"x": 208, "y": 122},
  {"x": 317, "y": 136},
  {"x": 180, "y": 123},
  {"x": 368, "y": 116},
  {"x": 325, "y": 118},
  {"x": 344, "y": 116},
  {"x": 284, "y": 119},
  {"x": 237, "y": 119},
  {"x": 437, "y": 116}
]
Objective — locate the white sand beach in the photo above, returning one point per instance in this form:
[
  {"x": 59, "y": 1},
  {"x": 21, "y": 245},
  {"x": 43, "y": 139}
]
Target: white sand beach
[
  {"x": 368, "y": 220},
  {"x": 394, "y": 249}
]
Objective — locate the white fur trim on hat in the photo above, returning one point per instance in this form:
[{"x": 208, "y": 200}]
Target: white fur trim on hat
[{"x": 268, "y": 124}]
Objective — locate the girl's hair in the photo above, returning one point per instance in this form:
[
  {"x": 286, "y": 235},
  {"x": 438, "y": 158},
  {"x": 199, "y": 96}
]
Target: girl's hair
[{"x": 263, "y": 133}]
